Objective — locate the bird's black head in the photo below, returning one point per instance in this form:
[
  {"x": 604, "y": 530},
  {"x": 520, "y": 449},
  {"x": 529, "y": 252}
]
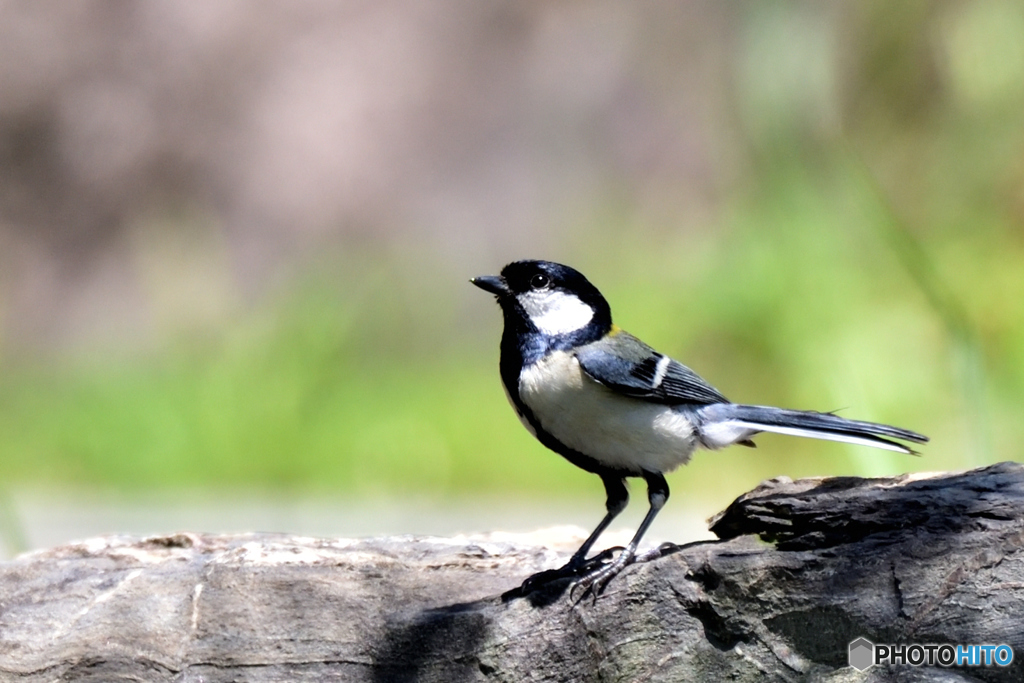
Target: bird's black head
[{"x": 548, "y": 298}]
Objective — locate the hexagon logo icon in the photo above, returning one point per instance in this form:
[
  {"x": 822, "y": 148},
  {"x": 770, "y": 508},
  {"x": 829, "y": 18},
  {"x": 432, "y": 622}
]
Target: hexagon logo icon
[{"x": 862, "y": 654}]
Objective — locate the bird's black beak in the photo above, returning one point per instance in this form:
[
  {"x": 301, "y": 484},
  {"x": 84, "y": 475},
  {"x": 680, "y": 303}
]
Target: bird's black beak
[{"x": 495, "y": 284}]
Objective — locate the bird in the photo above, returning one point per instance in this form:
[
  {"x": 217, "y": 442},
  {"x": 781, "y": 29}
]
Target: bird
[{"x": 613, "y": 406}]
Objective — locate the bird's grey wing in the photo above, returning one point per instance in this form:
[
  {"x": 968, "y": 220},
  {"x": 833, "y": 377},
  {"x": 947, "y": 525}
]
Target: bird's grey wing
[{"x": 637, "y": 370}]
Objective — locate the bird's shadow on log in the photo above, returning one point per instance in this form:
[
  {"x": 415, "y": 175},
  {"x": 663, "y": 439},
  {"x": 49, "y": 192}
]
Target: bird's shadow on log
[
  {"x": 436, "y": 644},
  {"x": 444, "y": 643},
  {"x": 546, "y": 593}
]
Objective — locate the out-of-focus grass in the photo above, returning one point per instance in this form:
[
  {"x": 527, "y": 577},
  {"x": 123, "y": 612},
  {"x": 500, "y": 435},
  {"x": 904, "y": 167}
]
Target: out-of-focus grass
[{"x": 383, "y": 379}]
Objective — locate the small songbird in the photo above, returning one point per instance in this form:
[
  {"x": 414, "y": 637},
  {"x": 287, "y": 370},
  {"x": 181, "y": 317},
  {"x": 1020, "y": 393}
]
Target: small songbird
[{"x": 614, "y": 406}]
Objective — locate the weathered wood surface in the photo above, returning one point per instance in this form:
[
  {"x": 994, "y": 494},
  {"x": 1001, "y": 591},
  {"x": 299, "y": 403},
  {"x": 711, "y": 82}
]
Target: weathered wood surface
[{"x": 929, "y": 559}]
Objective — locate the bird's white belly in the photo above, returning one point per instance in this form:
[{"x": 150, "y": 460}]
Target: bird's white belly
[{"x": 618, "y": 431}]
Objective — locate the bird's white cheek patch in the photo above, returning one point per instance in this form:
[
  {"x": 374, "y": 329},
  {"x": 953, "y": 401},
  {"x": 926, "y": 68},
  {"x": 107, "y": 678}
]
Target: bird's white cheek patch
[{"x": 554, "y": 312}]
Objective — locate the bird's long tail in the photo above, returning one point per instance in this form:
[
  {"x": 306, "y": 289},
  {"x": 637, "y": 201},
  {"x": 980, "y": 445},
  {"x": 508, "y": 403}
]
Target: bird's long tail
[{"x": 723, "y": 424}]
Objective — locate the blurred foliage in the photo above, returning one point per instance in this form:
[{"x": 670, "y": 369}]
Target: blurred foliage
[
  {"x": 800, "y": 297},
  {"x": 867, "y": 258}
]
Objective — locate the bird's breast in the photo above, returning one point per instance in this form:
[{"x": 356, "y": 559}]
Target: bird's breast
[{"x": 618, "y": 431}]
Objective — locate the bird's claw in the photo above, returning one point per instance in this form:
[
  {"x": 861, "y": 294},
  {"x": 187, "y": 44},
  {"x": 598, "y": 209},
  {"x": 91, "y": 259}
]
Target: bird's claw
[
  {"x": 577, "y": 567},
  {"x": 662, "y": 550},
  {"x": 594, "y": 583}
]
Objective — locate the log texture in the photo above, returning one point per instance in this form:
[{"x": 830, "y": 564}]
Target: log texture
[{"x": 803, "y": 568}]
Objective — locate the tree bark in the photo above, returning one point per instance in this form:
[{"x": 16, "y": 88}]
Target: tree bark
[{"x": 802, "y": 569}]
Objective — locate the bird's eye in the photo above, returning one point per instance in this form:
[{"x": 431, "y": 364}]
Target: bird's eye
[{"x": 540, "y": 281}]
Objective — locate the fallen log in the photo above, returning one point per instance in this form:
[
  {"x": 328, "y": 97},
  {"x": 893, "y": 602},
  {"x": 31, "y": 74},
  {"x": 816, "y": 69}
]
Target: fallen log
[{"x": 803, "y": 568}]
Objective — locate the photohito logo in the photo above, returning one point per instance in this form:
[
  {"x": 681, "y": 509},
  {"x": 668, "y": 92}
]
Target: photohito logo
[{"x": 864, "y": 654}]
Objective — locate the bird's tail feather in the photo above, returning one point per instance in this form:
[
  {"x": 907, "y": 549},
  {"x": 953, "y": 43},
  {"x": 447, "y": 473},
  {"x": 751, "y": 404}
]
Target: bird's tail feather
[{"x": 720, "y": 420}]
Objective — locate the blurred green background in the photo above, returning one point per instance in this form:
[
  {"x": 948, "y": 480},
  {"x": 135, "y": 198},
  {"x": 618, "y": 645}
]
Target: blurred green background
[{"x": 235, "y": 239}]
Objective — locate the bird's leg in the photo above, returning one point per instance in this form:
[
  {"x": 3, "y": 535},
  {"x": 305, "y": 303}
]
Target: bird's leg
[
  {"x": 618, "y": 497},
  {"x": 594, "y": 582}
]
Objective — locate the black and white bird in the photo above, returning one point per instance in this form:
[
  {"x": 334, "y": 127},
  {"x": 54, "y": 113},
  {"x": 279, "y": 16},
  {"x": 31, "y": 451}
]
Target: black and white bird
[{"x": 614, "y": 406}]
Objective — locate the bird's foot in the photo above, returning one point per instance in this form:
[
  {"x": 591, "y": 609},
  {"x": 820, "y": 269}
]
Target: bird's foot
[
  {"x": 573, "y": 568},
  {"x": 662, "y": 550},
  {"x": 594, "y": 583}
]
